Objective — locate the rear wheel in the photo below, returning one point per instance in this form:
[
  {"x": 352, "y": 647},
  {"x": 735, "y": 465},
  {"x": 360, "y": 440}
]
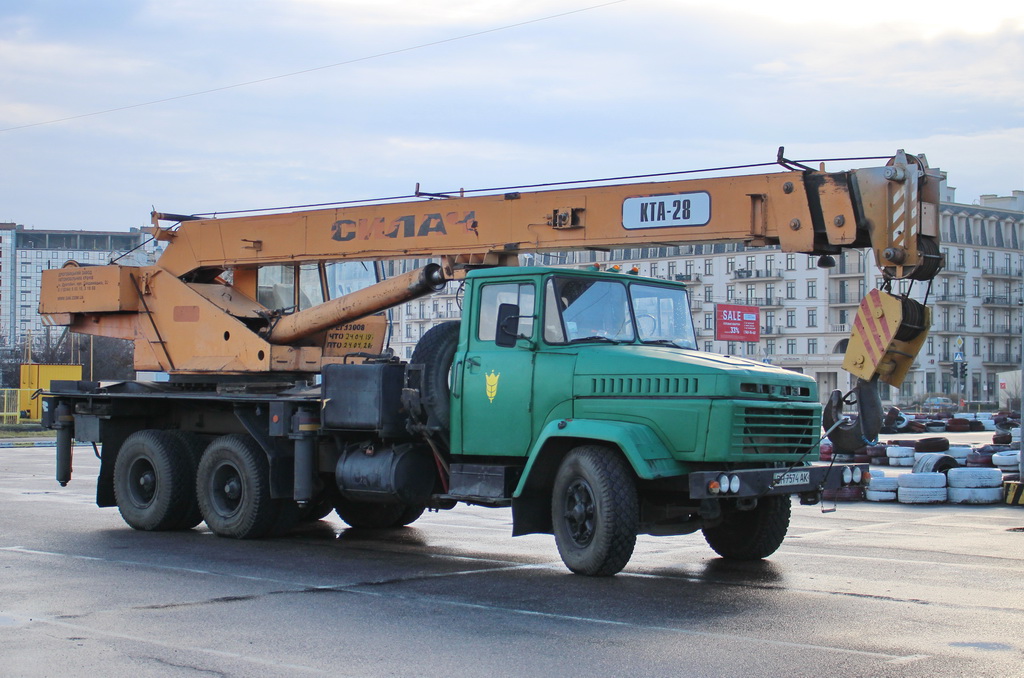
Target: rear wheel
[
  {"x": 151, "y": 481},
  {"x": 233, "y": 488},
  {"x": 370, "y": 515},
  {"x": 754, "y": 534},
  {"x": 594, "y": 511}
]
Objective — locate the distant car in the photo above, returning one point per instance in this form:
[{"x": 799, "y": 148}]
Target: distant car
[{"x": 935, "y": 405}]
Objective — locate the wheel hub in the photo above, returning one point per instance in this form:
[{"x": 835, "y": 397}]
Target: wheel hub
[{"x": 579, "y": 512}]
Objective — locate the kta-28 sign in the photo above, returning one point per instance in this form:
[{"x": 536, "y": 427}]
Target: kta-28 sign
[{"x": 737, "y": 323}]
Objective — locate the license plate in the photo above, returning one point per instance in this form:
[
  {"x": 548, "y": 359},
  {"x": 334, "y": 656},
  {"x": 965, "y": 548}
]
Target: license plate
[{"x": 793, "y": 478}]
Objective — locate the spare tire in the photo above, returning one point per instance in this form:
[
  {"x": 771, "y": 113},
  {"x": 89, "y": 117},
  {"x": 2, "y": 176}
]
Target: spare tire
[{"x": 435, "y": 352}]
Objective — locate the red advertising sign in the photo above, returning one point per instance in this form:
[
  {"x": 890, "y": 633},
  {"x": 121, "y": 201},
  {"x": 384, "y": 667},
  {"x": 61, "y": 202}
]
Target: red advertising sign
[{"x": 737, "y": 323}]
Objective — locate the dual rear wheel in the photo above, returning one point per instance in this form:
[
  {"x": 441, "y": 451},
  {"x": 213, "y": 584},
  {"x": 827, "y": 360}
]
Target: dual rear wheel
[{"x": 168, "y": 480}]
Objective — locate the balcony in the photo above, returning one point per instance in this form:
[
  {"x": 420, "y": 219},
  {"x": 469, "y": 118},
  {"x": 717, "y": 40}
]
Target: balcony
[
  {"x": 950, "y": 299},
  {"x": 690, "y": 278},
  {"x": 841, "y": 299},
  {"x": 761, "y": 274},
  {"x": 1001, "y": 272},
  {"x": 763, "y": 302},
  {"x": 771, "y": 330},
  {"x": 842, "y": 269},
  {"x": 1001, "y": 359},
  {"x": 1001, "y": 330},
  {"x": 997, "y": 301},
  {"x": 953, "y": 269},
  {"x": 949, "y": 328}
]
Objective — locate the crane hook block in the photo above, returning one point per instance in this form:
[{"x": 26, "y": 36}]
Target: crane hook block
[{"x": 860, "y": 430}]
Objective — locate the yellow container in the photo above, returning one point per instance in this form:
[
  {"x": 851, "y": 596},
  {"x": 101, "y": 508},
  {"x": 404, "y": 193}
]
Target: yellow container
[{"x": 35, "y": 377}]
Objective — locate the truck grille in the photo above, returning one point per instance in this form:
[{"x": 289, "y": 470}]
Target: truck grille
[{"x": 766, "y": 430}]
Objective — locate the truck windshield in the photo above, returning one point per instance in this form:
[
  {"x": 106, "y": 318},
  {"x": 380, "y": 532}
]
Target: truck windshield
[
  {"x": 585, "y": 310},
  {"x": 662, "y": 315}
]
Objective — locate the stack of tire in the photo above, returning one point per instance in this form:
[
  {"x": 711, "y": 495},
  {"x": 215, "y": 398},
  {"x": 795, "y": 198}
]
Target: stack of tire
[
  {"x": 876, "y": 455},
  {"x": 958, "y": 425},
  {"x": 1007, "y": 461},
  {"x": 881, "y": 488},
  {"x": 921, "y": 488},
  {"x": 982, "y": 457},
  {"x": 900, "y": 455},
  {"x": 974, "y": 486}
]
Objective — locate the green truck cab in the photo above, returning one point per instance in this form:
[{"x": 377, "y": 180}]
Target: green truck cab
[{"x": 581, "y": 398}]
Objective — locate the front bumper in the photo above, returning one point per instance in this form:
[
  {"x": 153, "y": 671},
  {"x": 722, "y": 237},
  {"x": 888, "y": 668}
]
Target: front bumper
[{"x": 773, "y": 481}]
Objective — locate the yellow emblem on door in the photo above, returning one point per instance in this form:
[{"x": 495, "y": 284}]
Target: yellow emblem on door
[{"x": 492, "y": 384}]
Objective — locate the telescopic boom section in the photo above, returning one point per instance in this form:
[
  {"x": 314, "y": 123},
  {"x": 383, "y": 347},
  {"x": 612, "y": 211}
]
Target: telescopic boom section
[{"x": 185, "y": 317}]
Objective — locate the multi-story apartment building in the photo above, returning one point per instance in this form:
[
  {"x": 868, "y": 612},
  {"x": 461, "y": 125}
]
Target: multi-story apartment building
[
  {"x": 26, "y": 253},
  {"x": 806, "y": 311}
]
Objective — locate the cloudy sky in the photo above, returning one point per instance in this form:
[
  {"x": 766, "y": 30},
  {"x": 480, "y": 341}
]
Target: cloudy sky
[{"x": 265, "y": 103}]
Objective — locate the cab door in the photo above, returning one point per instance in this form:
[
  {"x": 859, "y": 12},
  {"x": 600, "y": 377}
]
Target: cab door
[{"x": 495, "y": 401}]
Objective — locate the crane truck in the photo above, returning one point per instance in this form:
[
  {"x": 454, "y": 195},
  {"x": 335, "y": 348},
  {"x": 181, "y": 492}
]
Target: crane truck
[{"x": 579, "y": 398}]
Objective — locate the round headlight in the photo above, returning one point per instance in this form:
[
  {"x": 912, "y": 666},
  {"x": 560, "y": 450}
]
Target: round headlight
[
  {"x": 847, "y": 475},
  {"x": 858, "y": 475},
  {"x": 723, "y": 480},
  {"x": 734, "y": 484}
]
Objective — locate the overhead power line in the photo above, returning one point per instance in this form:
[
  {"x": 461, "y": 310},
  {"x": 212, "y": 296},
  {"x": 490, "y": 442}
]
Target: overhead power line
[{"x": 347, "y": 62}]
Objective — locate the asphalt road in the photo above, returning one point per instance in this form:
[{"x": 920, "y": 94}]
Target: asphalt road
[{"x": 869, "y": 590}]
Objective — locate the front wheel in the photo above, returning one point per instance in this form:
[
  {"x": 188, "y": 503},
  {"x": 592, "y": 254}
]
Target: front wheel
[
  {"x": 754, "y": 534},
  {"x": 594, "y": 511}
]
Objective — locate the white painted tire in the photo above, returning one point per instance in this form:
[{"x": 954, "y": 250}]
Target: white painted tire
[
  {"x": 901, "y": 461},
  {"x": 878, "y": 474},
  {"x": 974, "y": 495},
  {"x": 1006, "y": 459},
  {"x": 959, "y": 452},
  {"x": 919, "y": 480},
  {"x": 884, "y": 484},
  {"x": 899, "y": 451},
  {"x": 877, "y": 495},
  {"x": 921, "y": 495},
  {"x": 974, "y": 477}
]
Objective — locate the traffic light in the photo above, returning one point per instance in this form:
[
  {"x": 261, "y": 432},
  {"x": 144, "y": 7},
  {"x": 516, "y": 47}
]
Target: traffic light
[
  {"x": 963, "y": 370},
  {"x": 955, "y": 370}
]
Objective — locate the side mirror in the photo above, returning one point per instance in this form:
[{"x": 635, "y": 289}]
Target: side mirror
[{"x": 507, "y": 332}]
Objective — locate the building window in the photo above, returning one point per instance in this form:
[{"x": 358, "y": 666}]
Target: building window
[
  {"x": 812, "y": 318},
  {"x": 730, "y": 293},
  {"x": 790, "y": 262},
  {"x": 812, "y": 262},
  {"x": 769, "y": 347},
  {"x": 791, "y": 290},
  {"x": 812, "y": 346},
  {"x": 730, "y": 348},
  {"x": 730, "y": 264},
  {"x": 812, "y": 289},
  {"x": 709, "y": 347},
  {"x": 791, "y": 346},
  {"x": 709, "y": 321},
  {"x": 709, "y": 266},
  {"x": 708, "y": 296},
  {"x": 790, "y": 318}
]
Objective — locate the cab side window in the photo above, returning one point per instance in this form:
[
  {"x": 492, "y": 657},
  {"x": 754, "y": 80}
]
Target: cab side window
[{"x": 493, "y": 295}]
